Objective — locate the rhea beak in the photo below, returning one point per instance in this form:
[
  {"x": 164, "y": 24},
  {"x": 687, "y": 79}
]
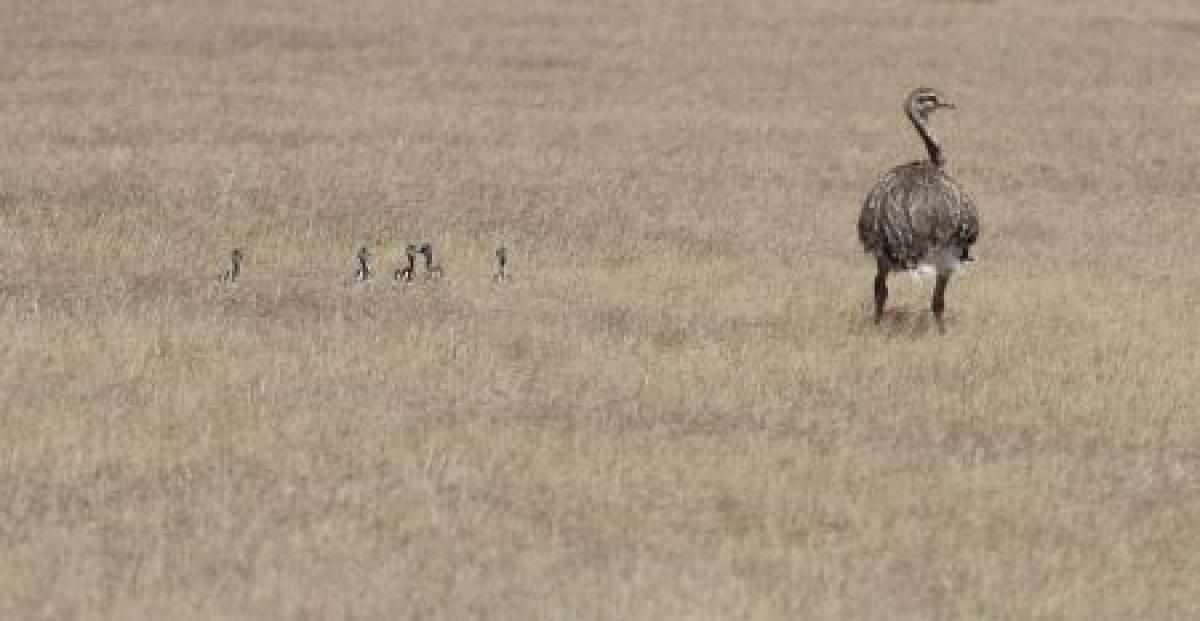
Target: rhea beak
[{"x": 947, "y": 105}]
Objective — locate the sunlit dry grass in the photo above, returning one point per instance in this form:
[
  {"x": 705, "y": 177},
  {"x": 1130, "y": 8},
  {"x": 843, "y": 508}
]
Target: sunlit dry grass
[{"x": 679, "y": 408}]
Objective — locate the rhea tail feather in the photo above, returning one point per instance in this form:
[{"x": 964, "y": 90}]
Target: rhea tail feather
[{"x": 949, "y": 259}]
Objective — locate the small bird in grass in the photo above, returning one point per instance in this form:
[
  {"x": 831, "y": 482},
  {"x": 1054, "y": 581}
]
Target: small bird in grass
[
  {"x": 432, "y": 270},
  {"x": 501, "y": 264},
  {"x": 406, "y": 273},
  {"x": 231, "y": 273},
  {"x": 363, "y": 258}
]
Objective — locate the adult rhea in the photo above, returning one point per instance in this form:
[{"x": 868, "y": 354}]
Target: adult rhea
[{"x": 917, "y": 215}]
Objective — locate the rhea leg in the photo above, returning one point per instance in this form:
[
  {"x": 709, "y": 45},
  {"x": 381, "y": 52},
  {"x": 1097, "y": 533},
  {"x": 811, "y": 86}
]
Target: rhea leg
[
  {"x": 881, "y": 290},
  {"x": 939, "y": 299}
]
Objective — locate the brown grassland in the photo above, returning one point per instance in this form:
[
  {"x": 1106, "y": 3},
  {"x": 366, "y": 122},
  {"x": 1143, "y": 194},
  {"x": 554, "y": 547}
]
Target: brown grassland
[{"x": 679, "y": 408}]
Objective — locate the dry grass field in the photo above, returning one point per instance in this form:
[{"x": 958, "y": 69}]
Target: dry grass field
[{"x": 679, "y": 408}]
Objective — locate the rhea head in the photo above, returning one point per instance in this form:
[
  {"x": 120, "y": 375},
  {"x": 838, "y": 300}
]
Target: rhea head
[{"x": 922, "y": 102}]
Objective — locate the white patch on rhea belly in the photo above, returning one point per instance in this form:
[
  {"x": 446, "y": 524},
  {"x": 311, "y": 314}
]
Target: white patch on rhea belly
[{"x": 944, "y": 259}]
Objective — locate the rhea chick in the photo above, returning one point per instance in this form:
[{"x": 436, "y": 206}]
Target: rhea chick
[
  {"x": 231, "y": 273},
  {"x": 406, "y": 273},
  {"x": 432, "y": 270},
  {"x": 363, "y": 258},
  {"x": 501, "y": 264}
]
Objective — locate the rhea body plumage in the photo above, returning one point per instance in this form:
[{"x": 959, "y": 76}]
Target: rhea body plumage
[{"x": 917, "y": 216}]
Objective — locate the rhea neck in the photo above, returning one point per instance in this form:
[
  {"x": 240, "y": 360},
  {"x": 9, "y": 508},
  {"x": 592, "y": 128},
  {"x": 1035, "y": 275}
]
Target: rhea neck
[{"x": 920, "y": 122}]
